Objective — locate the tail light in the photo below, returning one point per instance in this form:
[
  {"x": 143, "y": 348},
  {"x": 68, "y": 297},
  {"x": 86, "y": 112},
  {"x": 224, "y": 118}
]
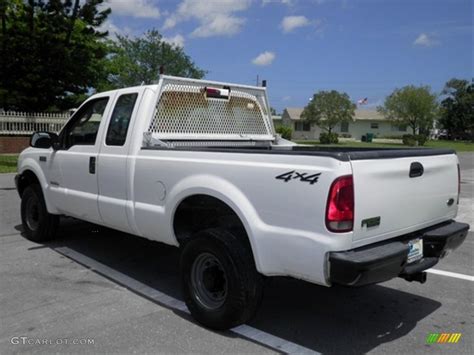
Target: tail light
[
  {"x": 340, "y": 206},
  {"x": 459, "y": 182}
]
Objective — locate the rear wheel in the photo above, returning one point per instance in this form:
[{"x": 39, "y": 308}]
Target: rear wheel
[
  {"x": 221, "y": 285},
  {"x": 38, "y": 224}
]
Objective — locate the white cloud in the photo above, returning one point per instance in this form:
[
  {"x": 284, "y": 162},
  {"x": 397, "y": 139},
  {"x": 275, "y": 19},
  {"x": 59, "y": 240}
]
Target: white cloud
[
  {"x": 170, "y": 22},
  {"x": 265, "y": 58},
  {"x": 110, "y": 27},
  {"x": 177, "y": 40},
  {"x": 114, "y": 30},
  {"x": 290, "y": 23},
  {"x": 425, "y": 40},
  {"x": 216, "y": 18},
  {"x": 219, "y": 25},
  {"x": 291, "y": 2},
  {"x": 135, "y": 8},
  {"x": 283, "y": 2}
]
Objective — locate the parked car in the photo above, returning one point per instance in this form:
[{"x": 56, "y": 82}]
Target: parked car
[
  {"x": 197, "y": 164},
  {"x": 442, "y": 134}
]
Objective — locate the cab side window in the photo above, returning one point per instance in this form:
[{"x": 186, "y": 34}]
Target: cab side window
[
  {"x": 120, "y": 120},
  {"x": 83, "y": 128}
]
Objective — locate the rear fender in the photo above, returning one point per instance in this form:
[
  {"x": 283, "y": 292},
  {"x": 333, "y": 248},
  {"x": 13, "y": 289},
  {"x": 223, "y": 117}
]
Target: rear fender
[{"x": 224, "y": 191}]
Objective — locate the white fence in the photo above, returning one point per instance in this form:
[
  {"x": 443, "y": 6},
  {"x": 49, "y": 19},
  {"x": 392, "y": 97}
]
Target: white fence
[{"x": 22, "y": 123}]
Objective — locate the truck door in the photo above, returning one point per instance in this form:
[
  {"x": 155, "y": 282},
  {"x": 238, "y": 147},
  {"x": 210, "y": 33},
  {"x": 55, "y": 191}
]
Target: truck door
[
  {"x": 113, "y": 169},
  {"x": 73, "y": 182}
]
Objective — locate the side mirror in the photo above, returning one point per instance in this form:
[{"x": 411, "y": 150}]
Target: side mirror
[{"x": 44, "y": 140}]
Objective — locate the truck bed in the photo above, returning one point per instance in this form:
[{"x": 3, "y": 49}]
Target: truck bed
[{"x": 339, "y": 153}]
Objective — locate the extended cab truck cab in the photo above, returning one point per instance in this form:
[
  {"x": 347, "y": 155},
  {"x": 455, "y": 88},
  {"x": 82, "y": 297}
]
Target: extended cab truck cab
[{"x": 197, "y": 165}]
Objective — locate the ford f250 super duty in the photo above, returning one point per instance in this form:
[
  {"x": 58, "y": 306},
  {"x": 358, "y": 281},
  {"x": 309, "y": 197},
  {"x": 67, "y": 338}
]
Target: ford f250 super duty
[{"x": 197, "y": 164}]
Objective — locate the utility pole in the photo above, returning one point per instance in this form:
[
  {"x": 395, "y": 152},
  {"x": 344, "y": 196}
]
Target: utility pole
[{"x": 258, "y": 81}]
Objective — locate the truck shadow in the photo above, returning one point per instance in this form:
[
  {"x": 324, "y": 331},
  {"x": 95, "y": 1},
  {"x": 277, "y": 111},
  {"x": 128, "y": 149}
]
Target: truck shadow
[{"x": 326, "y": 320}]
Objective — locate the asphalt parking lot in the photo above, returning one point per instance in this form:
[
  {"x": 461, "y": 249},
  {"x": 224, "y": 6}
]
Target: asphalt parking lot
[{"x": 111, "y": 292}]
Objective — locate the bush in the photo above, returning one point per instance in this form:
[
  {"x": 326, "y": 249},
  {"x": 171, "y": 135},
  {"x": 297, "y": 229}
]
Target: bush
[
  {"x": 346, "y": 135},
  {"x": 285, "y": 132},
  {"x": 409, "y": 139},
  {"x": 421, "y": 138},
  {"x": 328, "y": 138},
  {"x": 412, "y": 140}
]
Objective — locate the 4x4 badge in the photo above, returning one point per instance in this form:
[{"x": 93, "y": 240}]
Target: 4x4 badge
[{"x": 294, "y": 175}]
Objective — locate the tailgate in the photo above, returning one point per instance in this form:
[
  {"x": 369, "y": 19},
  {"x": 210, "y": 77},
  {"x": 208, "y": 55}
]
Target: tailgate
[{"x": 388, "y": 202}]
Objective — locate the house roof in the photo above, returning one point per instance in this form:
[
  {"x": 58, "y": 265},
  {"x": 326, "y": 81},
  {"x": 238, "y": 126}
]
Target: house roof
[
  {"x": 360, "y": 114},
  {"x": 294, "y": 112},
  {"x": 368, "y": 115}
]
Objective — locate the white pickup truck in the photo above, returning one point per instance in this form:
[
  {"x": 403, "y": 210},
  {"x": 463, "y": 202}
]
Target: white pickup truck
[{"x": 197, "y": 164}]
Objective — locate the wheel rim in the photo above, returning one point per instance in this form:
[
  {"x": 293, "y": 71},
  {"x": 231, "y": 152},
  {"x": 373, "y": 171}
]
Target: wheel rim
[
  {"x": 209, "y": 281},
  {"x": 32, "y": 213}
]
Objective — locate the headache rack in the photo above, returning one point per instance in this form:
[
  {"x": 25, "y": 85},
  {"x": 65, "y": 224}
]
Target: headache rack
[{"x": 206, "y": 113}]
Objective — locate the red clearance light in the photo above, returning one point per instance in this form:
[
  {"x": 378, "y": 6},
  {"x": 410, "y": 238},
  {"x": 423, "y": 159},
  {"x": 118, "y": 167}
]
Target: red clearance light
[
  {"x": 216, "y": 93},
  {"x": 211, "y": 91},
  {"x": 340, "y": 206}
]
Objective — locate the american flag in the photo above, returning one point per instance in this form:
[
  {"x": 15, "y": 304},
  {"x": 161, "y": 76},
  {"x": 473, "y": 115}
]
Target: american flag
[{"x": 363, "y": 101}]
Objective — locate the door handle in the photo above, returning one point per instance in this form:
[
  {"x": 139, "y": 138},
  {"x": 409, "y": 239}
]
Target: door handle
[
  {"x": 92, "y": 165},
  {"x": 416, "y": 169}
]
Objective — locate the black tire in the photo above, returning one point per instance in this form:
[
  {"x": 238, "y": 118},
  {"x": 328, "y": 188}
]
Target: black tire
[
  {"x": 38, "y": 224},
  {"x": 234, "y": 287}
]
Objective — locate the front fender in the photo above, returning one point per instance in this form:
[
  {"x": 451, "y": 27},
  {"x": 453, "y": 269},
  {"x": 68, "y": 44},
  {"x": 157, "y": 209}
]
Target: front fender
[{"x": 30, "y": 164}]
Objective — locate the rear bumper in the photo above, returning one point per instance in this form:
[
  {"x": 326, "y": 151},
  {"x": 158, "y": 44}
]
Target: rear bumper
[{"x": 384, "y": 261}]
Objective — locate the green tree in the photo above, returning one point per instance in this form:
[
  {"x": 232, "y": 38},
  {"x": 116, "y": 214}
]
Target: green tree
[
  {"x": 327, "y": 109},
  {"x": 457, "y": 109},
  {"x": 412, "y": 106},
  {"x": 51, "y": 52},
  {"x": 134, "y": 61}
]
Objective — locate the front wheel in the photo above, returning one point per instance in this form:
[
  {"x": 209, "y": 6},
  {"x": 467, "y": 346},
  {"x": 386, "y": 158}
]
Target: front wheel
[
  {"x": 221, "y": 286},
  {"x": 38, "y": 224}
]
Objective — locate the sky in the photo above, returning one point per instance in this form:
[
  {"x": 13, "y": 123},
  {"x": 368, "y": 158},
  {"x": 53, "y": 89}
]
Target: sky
[{"x": 366, "y": 48}]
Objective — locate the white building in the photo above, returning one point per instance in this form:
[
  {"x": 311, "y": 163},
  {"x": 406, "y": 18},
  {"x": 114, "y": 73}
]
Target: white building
[
  {"x": 276, "y": 120},
  {"x": 365, "y": 121}
]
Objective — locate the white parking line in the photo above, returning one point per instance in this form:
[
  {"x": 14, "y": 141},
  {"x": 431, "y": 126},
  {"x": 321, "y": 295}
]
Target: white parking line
[
  {"x": 466, "y": 212},
  {"x": 244, "y": 330},
  {"x": 451, "y": 274}
]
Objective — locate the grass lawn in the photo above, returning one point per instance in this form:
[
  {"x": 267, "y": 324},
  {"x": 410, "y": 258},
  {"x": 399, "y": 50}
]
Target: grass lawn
[
  {"x": 8, "y": 163},
  {"x": 457, "y": 146}
]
